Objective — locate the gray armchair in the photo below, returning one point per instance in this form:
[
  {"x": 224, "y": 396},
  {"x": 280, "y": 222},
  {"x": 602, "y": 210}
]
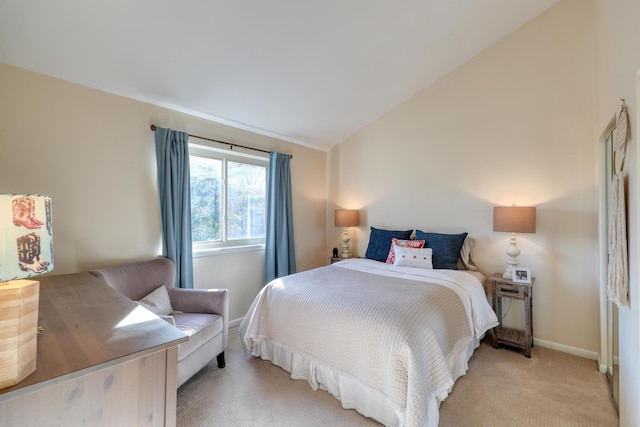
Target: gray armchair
[{"x": 203, "y": 314}]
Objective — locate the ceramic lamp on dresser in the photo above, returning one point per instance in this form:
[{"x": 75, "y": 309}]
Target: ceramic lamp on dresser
[{"x": 26, "y": 251}]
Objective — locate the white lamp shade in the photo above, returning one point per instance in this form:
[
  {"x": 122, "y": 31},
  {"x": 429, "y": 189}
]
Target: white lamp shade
[{"x": 26, "y": 236}]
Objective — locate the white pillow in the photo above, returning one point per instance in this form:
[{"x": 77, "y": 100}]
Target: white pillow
[
  {"x": 157, "y": 302},
  {"x": 412, "y": 257},
  {"x": 466, "y": 263}
]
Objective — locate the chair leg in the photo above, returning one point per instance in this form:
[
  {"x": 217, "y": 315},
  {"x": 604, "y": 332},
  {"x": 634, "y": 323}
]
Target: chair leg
[{"x": 220, "y": 358}]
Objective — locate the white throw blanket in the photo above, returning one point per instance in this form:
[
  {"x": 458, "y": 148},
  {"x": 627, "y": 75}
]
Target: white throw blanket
[{"x": 387, "y": 341}]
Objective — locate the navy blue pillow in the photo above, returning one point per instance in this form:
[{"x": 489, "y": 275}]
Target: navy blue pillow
[
  {"x": 445, "y": 247},
  {"x": 380, "y": 242}
]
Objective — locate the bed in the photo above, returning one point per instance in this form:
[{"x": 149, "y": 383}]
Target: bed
[{"x": 386, "y": 340}]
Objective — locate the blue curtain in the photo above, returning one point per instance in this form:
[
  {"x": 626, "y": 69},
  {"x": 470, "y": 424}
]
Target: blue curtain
[
  {"x": 172, "y": 157},
  {"x": 280, "y": 259}
]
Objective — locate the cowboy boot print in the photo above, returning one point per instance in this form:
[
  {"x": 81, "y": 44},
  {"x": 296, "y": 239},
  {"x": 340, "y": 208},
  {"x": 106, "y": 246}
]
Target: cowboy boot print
[
  {"x": 22, "y": 213},
  {"x": 31, "y": 208}
]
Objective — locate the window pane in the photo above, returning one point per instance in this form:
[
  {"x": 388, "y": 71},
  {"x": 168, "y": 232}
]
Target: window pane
[
  {"x": 206, "y": 199},
  {"x": 246, "y": 200}
]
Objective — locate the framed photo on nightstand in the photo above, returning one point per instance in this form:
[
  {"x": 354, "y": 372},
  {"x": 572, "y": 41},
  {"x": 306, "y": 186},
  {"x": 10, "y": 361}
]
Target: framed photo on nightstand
[{"x": 521, "y": 275}]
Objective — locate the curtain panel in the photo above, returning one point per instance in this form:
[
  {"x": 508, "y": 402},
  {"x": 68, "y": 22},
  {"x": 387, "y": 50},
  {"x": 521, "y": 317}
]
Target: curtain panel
[
  {"x": 172, "y": 157},
  {"x": 280, "y": 259}
]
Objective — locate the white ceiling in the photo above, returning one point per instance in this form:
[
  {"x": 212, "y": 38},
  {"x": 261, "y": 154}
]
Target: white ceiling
[{"x": 311, "y": 72}]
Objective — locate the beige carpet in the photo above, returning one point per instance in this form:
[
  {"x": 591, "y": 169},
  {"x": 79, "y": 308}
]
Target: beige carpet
[{"x": 501, "y": 388}]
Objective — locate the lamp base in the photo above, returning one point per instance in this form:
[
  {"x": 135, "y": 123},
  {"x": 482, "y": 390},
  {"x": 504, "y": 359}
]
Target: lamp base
[
  {"x": 512, "y": 252},
  {"x": 18, "y": 340},
  {"x": 346, "y": 252}
]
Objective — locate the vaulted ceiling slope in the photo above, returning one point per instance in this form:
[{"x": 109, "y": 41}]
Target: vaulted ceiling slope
[{"x": 311, "y": 72}]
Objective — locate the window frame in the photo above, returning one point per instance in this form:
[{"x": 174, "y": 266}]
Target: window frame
[{"x": 225, "y": 246}]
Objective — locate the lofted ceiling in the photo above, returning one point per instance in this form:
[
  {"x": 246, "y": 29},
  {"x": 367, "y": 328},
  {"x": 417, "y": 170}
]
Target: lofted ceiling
[{"x": 312, "y": 72}]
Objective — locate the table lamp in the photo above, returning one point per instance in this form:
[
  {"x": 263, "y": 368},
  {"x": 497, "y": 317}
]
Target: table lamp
[
  {"x": 346, "y": 218},
  {"x": 25, "y": 251},
  {"x": 514, "y": 219}
]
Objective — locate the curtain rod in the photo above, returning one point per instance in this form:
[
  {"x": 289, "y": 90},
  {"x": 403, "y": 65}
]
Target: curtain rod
[{"x": 153, "y": 129}]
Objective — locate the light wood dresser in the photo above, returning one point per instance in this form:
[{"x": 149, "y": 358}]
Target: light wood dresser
[{"x": 102, "y": 361}]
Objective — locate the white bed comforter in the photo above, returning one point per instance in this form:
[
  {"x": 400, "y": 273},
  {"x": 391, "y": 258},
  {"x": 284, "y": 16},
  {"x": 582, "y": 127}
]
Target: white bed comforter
[{"x": 387, "y": 341}]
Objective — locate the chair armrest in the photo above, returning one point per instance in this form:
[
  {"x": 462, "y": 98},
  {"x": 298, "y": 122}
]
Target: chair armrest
[{"x": 214, "y": 301}]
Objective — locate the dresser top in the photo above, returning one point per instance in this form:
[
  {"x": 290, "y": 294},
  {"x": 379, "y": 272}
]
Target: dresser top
[{"x": 87, "y": 326}]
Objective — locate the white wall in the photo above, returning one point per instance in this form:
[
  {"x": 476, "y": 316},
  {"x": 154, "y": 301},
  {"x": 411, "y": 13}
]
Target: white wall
[
  {"x": 513, "y": 125},
  {"x": 94, "y": 154},
  {"x": 618, "y": 30}
]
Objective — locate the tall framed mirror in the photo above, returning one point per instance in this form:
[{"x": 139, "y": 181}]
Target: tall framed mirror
[
  {"x": 608, "y": 310},
  {"x": 612, "y": 235}
]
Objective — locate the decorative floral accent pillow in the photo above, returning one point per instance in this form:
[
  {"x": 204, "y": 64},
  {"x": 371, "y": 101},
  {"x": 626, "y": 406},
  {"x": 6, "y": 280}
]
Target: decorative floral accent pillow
[
  {"x": 404, "y": 244},
  {"x": 412, "y": 257}
]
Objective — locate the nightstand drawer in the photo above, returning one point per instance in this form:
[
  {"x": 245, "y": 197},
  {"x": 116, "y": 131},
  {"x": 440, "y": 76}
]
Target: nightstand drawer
[{"x": 510, "y": 291}]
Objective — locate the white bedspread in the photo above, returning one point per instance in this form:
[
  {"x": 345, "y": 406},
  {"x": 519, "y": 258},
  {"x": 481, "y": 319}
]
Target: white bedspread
[{"x": 387, "y": 341}]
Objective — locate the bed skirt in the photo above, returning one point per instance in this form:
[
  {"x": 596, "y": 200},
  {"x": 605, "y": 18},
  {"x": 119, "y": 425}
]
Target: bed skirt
[{"x": 352, "y": 393}]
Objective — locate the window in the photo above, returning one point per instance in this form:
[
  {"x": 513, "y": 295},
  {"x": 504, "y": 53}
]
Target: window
[{"x": 228, "y": 198}]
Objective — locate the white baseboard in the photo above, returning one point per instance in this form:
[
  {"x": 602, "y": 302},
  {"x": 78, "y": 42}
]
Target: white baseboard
[
  {"x": 604, "y": 368},
  {"x": 587, "y": 354},
  {"x": 235, "y": 322}
]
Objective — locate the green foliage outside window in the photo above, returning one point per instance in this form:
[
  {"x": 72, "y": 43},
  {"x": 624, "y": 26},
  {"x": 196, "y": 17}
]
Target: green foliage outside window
[{"x": 244, "y": 198}]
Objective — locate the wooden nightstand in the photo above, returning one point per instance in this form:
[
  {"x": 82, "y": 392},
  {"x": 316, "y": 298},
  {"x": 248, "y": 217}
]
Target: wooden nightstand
[{"x": 505, "y": 288}]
